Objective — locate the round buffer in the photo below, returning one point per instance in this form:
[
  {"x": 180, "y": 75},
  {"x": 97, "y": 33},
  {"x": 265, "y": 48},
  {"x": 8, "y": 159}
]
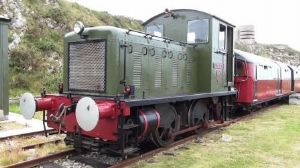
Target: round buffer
[
  {"x": 27, "y": 106},
  {"x": 87, "y": 113}
]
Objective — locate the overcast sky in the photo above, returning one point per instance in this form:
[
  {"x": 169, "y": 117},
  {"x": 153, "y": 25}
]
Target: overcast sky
[{"x": 275, "y": 21}]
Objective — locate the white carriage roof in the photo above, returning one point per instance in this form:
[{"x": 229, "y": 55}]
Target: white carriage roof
[{"x": 253, "y": 58}]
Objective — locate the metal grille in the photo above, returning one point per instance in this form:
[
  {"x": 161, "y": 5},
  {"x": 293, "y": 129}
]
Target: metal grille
[
  {"x": 174, "y": 72},
  {"x": 158, "y": 73},
  {"x": 87, "y": 66},
  {"x": 189, "y": 71},
  {"x": 137, "y": 70}
]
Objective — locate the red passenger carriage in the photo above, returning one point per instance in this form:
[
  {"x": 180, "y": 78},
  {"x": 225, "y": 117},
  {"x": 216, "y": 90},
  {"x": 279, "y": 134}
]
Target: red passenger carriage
[{"x": 260, "y": 79}]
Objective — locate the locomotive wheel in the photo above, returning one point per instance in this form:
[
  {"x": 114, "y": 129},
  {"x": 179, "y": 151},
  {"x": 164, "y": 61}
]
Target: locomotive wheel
[
  {"x": 168, "y": 124},
  {"x": 198, "y": 114},
  {"x": 218, "y": 111}
]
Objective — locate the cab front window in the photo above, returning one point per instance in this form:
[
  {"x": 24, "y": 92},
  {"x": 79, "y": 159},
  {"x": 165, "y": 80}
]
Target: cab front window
[
  {"x": 198, "y": 31},
  {"x": 157, "y": 30}
]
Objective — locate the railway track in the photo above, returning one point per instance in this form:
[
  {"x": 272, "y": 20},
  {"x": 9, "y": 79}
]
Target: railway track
[
  {"x": 30, "y": 134},
  {"x": 38, "y": 161},
  {"x": 37, "y": 145},
  {"x": 144, "y": 156}
]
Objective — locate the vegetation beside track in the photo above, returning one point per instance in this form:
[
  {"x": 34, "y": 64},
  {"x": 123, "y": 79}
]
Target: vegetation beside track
[
  {"x": 36, "y": 61},
  {"x": 10, "y": 125},
  {"x": 269, "y": 139},
  {"x": 11, "y": 150},
  {"x": 14, "y": 107}
]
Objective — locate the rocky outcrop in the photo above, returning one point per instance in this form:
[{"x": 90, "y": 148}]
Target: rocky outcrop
[
  {"x": 36, "y": 38},
  {"x": 14, "y": 9},
  {"x": 277, "y": 52}
]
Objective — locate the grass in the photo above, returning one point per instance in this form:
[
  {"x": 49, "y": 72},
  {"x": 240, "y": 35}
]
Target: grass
[
  {"x": 12, "y": 157},
  {"x": 14, "y": 107},
  {"x": 10, "y": 125},
  {"x": 270, "y": 139},
  {"x": 15, "y": 156},
  {"x": 10, "y": 150}
]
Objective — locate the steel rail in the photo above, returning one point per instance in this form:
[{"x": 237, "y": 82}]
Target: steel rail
[
  {"x": 38, "y": 161},
  {"x": 37, "y": 145},
  {"x": 25, "y": 135}
]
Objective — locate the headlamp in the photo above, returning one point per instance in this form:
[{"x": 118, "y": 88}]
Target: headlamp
[{"x": 78, "y": 27}]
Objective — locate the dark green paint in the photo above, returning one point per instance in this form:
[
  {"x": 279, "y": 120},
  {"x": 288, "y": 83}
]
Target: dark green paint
[
  {"x": 4, "y": 87},
  {"x": 156, "y": 74}
]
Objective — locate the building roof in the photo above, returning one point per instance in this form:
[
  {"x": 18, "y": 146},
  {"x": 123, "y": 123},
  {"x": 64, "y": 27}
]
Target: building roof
[{"x": 4, "y": 19}]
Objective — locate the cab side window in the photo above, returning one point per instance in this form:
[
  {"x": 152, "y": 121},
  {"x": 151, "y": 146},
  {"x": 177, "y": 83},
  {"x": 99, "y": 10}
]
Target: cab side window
[
  {"x": 198, "y": 31},
  {"x": 222, "y": 37}
]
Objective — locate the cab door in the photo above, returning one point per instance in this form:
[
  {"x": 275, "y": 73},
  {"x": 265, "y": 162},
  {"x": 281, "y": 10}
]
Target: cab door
[{"x": 219, "y": 56}]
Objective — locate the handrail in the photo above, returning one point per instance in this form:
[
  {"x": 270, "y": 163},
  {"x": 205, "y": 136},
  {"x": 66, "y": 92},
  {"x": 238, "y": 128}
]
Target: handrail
[{"x": 165, "y": 39}]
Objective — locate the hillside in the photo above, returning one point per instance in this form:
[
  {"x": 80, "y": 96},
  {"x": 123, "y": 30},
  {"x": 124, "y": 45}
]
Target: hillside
[
  {"x": 36, "y": 38},
  {"x": 278, "y": 52}
]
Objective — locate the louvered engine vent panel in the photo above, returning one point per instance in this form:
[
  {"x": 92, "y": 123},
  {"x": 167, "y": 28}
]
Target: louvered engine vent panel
[{"x": 87, "y": 66}]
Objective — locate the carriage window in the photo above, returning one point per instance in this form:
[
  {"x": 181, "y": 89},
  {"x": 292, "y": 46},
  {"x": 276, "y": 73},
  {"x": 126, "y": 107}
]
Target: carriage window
[
  {"x": 198, "y": 31},
  {"x": 222, "y": 34},
  {"x": 156, "y": 30},
  {"x": 239, "y": 69}
]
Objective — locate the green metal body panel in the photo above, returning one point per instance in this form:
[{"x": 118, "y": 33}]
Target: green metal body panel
[
  {"x": 153, "y": 74},
  {"x": 113, "y": 68},
  {"x": 156, "y": 67},
  {"x": 4, "y": 86},
  {"x": 162, "y": 71}
]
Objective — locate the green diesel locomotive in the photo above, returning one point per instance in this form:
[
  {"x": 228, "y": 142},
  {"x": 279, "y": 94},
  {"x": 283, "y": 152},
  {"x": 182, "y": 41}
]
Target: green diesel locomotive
[{"x": 122, "y": 87}]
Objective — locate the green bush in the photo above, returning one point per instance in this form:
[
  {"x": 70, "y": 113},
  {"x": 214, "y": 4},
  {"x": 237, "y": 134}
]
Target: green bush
[
  {"x": 50, "y": 82},
  {"x": 57, "y": 14},
  {"x": 45, "y": 44}
]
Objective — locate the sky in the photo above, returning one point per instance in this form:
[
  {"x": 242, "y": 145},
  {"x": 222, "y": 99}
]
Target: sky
[{"x": 275, "y": 21}]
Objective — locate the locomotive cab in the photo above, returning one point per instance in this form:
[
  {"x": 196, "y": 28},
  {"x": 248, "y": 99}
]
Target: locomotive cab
[{"x": 211, "y": 48}]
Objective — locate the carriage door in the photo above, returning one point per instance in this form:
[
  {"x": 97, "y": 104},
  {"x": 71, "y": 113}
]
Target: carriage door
[
  {"x": 279, "y": 80},
  {"x": 293, "y": 79},
  {"x": 255, "y": 82}
]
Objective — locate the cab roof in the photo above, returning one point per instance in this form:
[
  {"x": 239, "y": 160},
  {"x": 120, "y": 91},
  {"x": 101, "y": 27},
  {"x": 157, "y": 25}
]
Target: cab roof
[{"x": 186, "y": 10}]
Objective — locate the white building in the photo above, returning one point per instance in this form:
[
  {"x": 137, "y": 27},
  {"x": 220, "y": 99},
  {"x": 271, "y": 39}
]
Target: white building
[{"x": 245, "y": 33}]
